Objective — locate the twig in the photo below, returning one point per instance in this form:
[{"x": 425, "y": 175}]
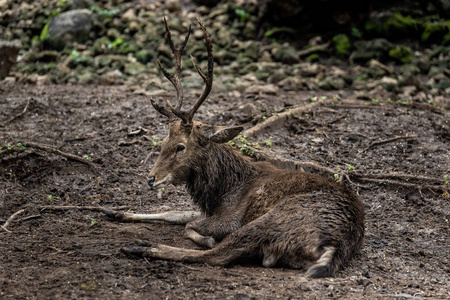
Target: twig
[
  {"x": 18, "y": 115},
  {"x": 405, "y": 137},
  {"x": 91, "y": 208},
  {"x": 399, "y": 176},
  {"x": 59, "y": 152},
  {"x": 287, "y": 114},
  {"x": 406, "y": 184},
  {"x": 10, "y": 219},
  {"x": 31, "y": 217}
]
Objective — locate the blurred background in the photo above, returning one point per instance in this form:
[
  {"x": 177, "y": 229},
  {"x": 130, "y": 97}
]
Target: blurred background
[{"x": 396, "y": 50}]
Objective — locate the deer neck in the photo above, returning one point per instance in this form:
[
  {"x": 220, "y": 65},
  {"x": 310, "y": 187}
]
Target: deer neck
[{"x": 220, "y": 171}]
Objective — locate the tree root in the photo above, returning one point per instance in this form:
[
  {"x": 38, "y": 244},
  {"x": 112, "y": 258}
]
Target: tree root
[
  {"x": 376, "y": 143},
  {"x": 10, "y": 219},
  {"x": 46, "y": 148},
  {"x": 16, "y": 116}
]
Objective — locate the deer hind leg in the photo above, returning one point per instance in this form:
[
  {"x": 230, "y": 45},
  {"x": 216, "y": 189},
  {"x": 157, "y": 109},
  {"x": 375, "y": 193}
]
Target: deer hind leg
[
  {"x": 235, "y": 245},
  {"x": 171, "y": 217}
]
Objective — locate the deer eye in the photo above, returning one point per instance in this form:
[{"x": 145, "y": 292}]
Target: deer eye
[{"x": 180, "y": 148}]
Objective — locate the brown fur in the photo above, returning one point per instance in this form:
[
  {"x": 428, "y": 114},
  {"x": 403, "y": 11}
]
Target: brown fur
[{"x": 254, "y": 209}]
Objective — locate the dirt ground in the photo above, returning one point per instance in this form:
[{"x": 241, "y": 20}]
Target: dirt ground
[{"x": 62, "y": 254}]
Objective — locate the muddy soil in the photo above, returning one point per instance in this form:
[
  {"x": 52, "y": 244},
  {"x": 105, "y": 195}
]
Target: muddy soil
[{"x": 62, "y": 254}]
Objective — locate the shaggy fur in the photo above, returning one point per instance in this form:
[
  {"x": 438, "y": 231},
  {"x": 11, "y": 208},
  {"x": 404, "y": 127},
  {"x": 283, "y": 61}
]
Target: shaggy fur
[{"x": 255, "y": 209}]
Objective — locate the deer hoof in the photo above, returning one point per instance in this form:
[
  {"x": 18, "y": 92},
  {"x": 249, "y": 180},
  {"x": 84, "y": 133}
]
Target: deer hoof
[
  {"x": 113, "y": 215},
  {"x": 134, "y": 250},
  {"x": 211, "y": 243}
]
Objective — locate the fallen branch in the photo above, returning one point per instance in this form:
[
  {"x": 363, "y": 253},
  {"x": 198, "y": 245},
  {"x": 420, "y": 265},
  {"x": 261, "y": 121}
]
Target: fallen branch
[
  {"x": 18, "y": 115},
  {"x": 59, "y": 152},
  {"x": 10, "y": 219},
  {"x": 406, "y": 137},
  {"x": 440, "y": 188},
  {"x": 286, "y": 163},
  {"x": 91, "y": 208},
  {"x": 278, "y": 118}
]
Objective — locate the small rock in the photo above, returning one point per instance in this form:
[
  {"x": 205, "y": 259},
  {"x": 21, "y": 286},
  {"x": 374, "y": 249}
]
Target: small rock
[
  {"x": 293, "y": 84},
  {"x": 63, "y": 68},
  {"x": 285, "y": 54},
  {"x": 71, "y": 26},
  {"x": 388, "y": 82},
  {"x": 409, "y": 79},
  {"x": 129, "y": 15},
  {"x": 39, "y": 79},
  {"x": 87, "y": 77},
  {"x": 134, "y": 68},
  {"x": 376, "y": 64},
  {"x": 262, "y": 89},
  {"x": 421, "y": 97},
  {"x": 409, "y": 90},
  {"x": 8, "y": 56},
  {"x": 112, "y": 76},
  {"x": 173, "y": 5}
]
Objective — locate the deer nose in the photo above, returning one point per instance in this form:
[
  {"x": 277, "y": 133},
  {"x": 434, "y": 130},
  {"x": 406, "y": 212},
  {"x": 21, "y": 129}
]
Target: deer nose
[{"x": 151, "y": 181}]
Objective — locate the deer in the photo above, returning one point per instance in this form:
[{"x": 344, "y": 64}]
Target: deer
[{"x": 246, "y": 208}]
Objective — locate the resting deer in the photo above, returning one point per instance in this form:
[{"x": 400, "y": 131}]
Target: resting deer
[{"x": 247, "y": 208}]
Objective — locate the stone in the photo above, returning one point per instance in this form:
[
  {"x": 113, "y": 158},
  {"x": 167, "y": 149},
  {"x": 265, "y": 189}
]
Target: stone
[
  {"x": 134, "y": 68},
  {"x": 8, "y": 56},
  {"x": 374, "y": 49},
  {"x": 285, "y": 54},
  {"x": 129, "y": 15},
  {"x": 112, "y": 76},
  {"x": 144, "y": 56},
  {"x": 277, "y": 76},
  {"x": 262, "y": 89},
  {"x": 388, "y": 83},
  {"x": 71, "y": 26},
  {"x": 87, "y": 77},
  {"x": 173, "y": 5}
]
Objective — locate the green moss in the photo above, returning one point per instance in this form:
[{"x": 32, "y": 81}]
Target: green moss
[
  {"x": 436, "y": 30},
  {"x": 342, "y": 44},
  {"x": 313, "y": 57},
  {"x": 402, "y": 53},
  {"x": 391, "y": 24}
]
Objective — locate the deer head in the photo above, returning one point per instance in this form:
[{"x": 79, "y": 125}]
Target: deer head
[{"x": 189, "y": 142}]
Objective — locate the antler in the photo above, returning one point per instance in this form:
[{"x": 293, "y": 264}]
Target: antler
[
  {"x": 186, "y": 116},
  {"x": 175, "y": 78}
]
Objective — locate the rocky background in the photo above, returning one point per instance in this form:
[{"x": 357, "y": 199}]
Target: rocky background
[{"x": 380, "y": 50}]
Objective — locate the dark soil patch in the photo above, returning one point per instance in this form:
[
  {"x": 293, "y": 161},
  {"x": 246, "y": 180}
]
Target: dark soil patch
[{"x": 75, "y": 254}]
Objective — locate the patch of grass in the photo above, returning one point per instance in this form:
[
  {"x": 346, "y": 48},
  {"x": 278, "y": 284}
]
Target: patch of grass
[
  {"x": 242, "y": 14},
  {"x": 350, "y": 167}
]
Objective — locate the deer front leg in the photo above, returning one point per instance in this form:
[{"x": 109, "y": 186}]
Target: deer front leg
[
  {"x": 171, "y": 217},
  {"x": 205, "y": 232},
  {"x": 146, "y": 249}
]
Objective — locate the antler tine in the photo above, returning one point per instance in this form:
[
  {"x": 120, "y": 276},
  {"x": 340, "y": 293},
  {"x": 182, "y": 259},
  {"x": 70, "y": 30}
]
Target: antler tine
[
  {"x": 175, "y": 78},
  {"x": 162, "y": 110},
  {"x": 208, "y": 79}
]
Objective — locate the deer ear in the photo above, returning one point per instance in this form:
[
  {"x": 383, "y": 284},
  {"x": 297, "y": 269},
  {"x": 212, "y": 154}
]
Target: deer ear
[{"x": 220, "y": 134}]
